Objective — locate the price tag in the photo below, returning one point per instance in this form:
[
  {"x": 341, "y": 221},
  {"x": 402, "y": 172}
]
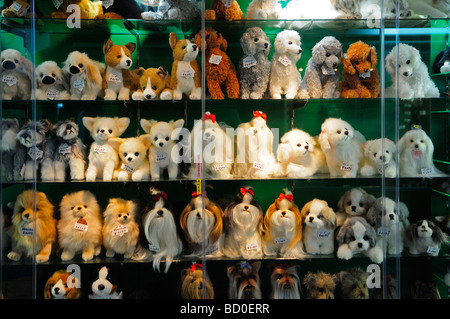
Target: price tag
[
  {"x": 347, "y": 167},
  {"x": 10, "y": 80},
  {"x": 416, "y": 154},
  {"x": 365, "y": 75},
  {"x": 284, "y": 60},
  {"x": 215, "y": 59},
  {"x": 161, "y": 157},
  {"x": 252, "y": 246},
  {"x": 120, "y": 231},
  {"x": 81, "y": 225},
  {"x": 100, "y": 149},
  {"x": 434, "y": 251},
  {"x": 25, "y": 231},
  {"x": 199, "y": 185},
  {"x": 35, "y": 153},
  {"x": 153, "y": 3},
  {"x": 188, "y": 72},
  {"x": 323, "y": 233},
  {"x": 78, "y": 84},
  {"x": 280, "y": 240},
  {"x": 154, "y": 248},
  {"x": 64, "y": 149},
  {"x": 259, "y": 166},
  {"x": 52, "y": 94},
  {"x": 114, "y": 78},
  {"x": 427, "y": 170},
  {"x": 219, "y": 167},
  {"x": 249, "y": 61},
  {"x": 107, "y": 3},
  {"x": 127, "y": 168},
  {"x": 227, "y": 3},
  {"x": 384, "y": 232}
]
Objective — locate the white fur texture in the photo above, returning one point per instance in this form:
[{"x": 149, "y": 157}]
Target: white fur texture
[
  {"x": 51, "y": 82},
  {"x": 103, "y": 288},
  {"x": 134, "y": 163},
  {"x": 264, "y": 9},
  {"x": 16, "y": 75},
  {"x": 371, "y": 9},
  {"x": 379, "y": 156}
]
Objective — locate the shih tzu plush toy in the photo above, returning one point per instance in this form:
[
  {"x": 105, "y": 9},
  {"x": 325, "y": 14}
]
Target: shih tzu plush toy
[
  {"x": 352, "y": 284},
  {"x": 424, "y": 236},
  {"x": 319, "y": 223},
  {"x": 51, "y": 82},
  {"x": 244, "y": 282},
  {"x": 343, "y": 147},
  {"x": 174, "y": 10},
  {"x": 354, "y": 202},
  {"x": 58, "y": 286},
  {"x": 320, "y": 285},
  {"x": 243, "y": 220},
  {"x": 70, "y": 152},
  {"x": 104, "y": 287},
  {"x": 196, "y": 221},
  {"x": 8, "y": 146},
  {"x": 283, "y": 228},
  {"x": 16, "y": 75},
  {"x": 285, "y": 281},
  {"x": 379, "y": 157},
  {"x": 192, "y": 284}
]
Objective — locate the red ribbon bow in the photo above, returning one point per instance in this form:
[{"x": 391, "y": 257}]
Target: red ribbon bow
[
  {"x": 259, "y": 113},
  {"x": 244, "y": 191},
  {"x": 212, "y": 117},
  {"x": 194, "y": 266},
  {"x": 158, "y": 196},
  {"x": 289, "y": 197},
  {"x": 195, "y": 194}
]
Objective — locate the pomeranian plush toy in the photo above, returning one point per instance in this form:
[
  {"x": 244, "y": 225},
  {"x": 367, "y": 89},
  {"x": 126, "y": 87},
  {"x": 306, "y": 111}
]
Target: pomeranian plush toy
[
  {"x": 186, "y": 72},
  {"x": 70, "y": 152},
  {"x": 104, "y": 287},
  {"x": 103, "y": 158},
  {"x": 354, "y": 202},
  {"x": 174, "y": 10},
  {"x": 219, "y": 69},
  {"x": 153, "y": 84},
  {"x": 224, "y": 10},
  {"x": 8, "y": 146},
  {"x": 284, "y": 281},
  {"x": 160, "y": 147},
  {"x": 80, "y": 226},
  {"x": 84, "y": 76},
  {"x": 120, "y": 228},
  {"x": 16, "y": 74},
  {"x": 61, "y": 285},
  {"x": 51, "y": 82},
  {"x": 195, "y": 283},
  {"x": 244, "y": 280},
  {"x": 33, "y": 229},
  {"x": 424, "y": 236},
  {"x": 118, "y": 80},
  {"x": 320, "y": 285},
  {"x": 134, "y": 163},
  {"x": 379, "y": 157}
]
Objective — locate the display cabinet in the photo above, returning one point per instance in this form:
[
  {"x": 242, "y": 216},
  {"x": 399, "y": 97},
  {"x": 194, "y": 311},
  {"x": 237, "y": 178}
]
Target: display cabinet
[{"x": 43, "y": 39}]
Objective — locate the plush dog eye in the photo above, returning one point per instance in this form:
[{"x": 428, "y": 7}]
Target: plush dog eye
[
  {"x": 361, "y": 204},
  {"x": 321, "y": 290},
  {"x": 256, "y": 39},
  {"x": 183, "y": 47},
  {"x": 349, "y": 203},
  {"x": 167, "y": 138},
  {"x": 298, "y": 145},
  {"x": 408, "y": 62},
  {"x": 339, "y": 132},
  {"x": 110, "y": 131},
  {"x": 387, "y": 151},
  {"x": 412, "y": 141},
  {"x": 156, "y": 138},
  {"x": 119, "y": 56},
  {"x": 120, "y": 215},
  {"x": 80, "y": 65},
  {"x": 207, "y": 36},
  {"x": 319, "y": 217},
  {"x": 154, "y": 87},
  {"x": 15, "y": 60},
  {"x": 85, "y": 206},
  {"x": 374, "y": 154},
  {"x": 290, "y": 42},
  {"x": 136, "y": 154},
  {"x": 279, "y": 276},
  {"x": 356, "y": 62},
  {"x": 42, "y": 75},
  {"x": 125, "y": 154},
  {"x": 54, "y": 75},
  {"x": 327, "y": 55},
  {"x": 73, "y": 207},
  {"x": 366, "y": 237},
  {"x": 399, "y": 65},
  {"x": 352, "y": 238},
  {"x": 421, "y": 141}
]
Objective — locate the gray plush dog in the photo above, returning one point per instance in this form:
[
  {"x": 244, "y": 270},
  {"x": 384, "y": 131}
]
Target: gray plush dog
[
  {"x": 174, "y": 10},
  {"x": 322, "y": 71},
  {"x": 10, "y": 128},
  {"x": 254, "y": 67}
]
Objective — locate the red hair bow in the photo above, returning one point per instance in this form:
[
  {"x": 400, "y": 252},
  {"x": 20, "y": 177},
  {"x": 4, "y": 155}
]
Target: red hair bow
[
  {"x": 195, "y": 194},
  {"x": 244, "y": 191},
  {"x": 259, "y": 113},
  {"x": 210, "y": 116},
  {"x": 158, "y": 196},
  {"x": 194, "y": 266},
  {"x": 289, "y": 197}
]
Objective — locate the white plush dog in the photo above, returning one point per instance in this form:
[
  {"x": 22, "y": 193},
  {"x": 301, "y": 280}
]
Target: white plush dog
[
  {"x": 371, "y": 9},
  {"x": 264, "y": 9},
  {"x": 299, "y": 155},
  {"x": 343, "y": 147},
  {"x": 322, "y": 9},
  {"x": 51, "y": 82},
  {"x": 431, "y": 8},
  {"x": 413, "y": 77},
  {"x": 16, "y": 75},
  {"x": 284, "y": 75},
  {"x": 379, "y": 155}
]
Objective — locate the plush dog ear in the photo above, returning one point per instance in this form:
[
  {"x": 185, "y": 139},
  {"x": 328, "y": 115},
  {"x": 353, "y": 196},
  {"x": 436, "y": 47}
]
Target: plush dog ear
[
  {"x": 348, "y": 67},
  {"x": 115, "y": 142},
  {"x": 122, "y": 124},
  {"x": 318, "y": 53},
  {"x": 147, "y": 125},
  {"x": 145, "y": 139},
  {"x": 224, "y": 44},
  {"x": 94, "y": 76},
  {"x": 107, "y": 45},
  {"x": 390, "y": 62},
  {"x": 373, "y": 213},
  {"x": 139, "y": 71},
  {"x": 305, "y": 210},
  {"x": 162, "y": 72},
  {"x": 131, "y": 46},
  {"x": 48, "y": 287},
  {"x": 27, "y": 66},
  {"x": 430, "y": 149},
  {"x": 178, "y": 123},
  {"x": 173, "y": 40},
  {"x": 88, "y": 122},
  {"x": 201, "y": 43},
  {"x": 373, "y": 57},
  {"x": 324, "y": 142},
  {"x": 331, "y": 216}
]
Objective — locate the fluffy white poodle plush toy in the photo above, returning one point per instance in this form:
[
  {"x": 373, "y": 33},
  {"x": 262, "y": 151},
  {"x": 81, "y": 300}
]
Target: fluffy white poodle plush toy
[
  {"x": 379, "y": 156},
  {"x": 413, "y": 78}
]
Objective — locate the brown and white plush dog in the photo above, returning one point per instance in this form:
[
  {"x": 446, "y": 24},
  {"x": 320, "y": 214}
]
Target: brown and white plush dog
[
  {"x": 192, "y": 284},
  {"x": 16, "y": 75},
  {"x": 51, "y": 82},
  {"x": 244, "y": 280},
  {"x": 58, "y": 286},
  {"x": 195, "y": 221},
  {"x": 283, "y": 228},
  {"x": 154, "y": 83},
  {"x": 424, "y": 236},
  {"x": 33, "y": 231},
  {"x": 320, "y": 285},
  {"x": 285, "y": 281},
  {"x": 118, "y": 80},
  {"x": 354, "y": 202}
]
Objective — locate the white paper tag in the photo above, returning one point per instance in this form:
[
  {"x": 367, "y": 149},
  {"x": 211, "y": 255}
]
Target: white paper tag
[
  {"x": 64, "y": 149},
  {"x": 188, "y": 72},
  {"x": 154, "y": 248},
  {"x": 16, "y": 7},
  {"x": 9, "y": 79},
  {"x": 323, "y": 233},
  {"x": 120, "y": 231},
  {"x": 52, "y": 94},
  {"x": 259, "y": 166},
  {"x": 252, "y": 246},
  {"x": 327, "y": 71},
  {"x": 100, "y": 149},
  {"x": 215, "y": 59},
  {"x": 433, "y": 250},
  {"x": 427, "y": 170},
  {"x": 365, "y": 75},
  {"x": 81, "y": 225},
  {"x": 227, "y": 3},
  {"x": 25, "y": 231},
  {"x": 346, "y": 166},
  {"x": 35, "y": 153},
  {"x": 284, "y": 60},
  {"x": 161, "y": 157},
  {"x": 107, "y": 3},
  {"x": 280, "y": 240},
  {"x": 153, "y": 3},
  {"x": 383, "y": 232},
  {"x": 57, "y": 3},
  {"x": 78, "y": 84},
  {"x": 127, "y": 168},
  {"x": 219, "y": 167},
  {"x": 114, "y": 78},
  {"x": 249, "y": 61}
]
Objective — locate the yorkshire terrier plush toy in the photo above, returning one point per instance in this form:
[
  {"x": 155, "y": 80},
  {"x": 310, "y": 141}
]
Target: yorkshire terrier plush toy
[
  {"x": 8, "y": 146},
  {"x": 244, "y": 282},
  {"x": 16, "y": 74},
  {"x": 51, "y": 82},
  {"x": 104, "y": 287},
  {"x": 192, "y": 284},
  {"x": 61, "y": 285},
  {"x": 320, "y": 285},
  {"x": 285, "y": 281},
  {"x": 352, "y": 284}
]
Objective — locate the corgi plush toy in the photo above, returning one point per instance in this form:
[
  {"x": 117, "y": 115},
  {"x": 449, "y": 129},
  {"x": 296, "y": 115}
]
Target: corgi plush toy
[
  {"x": 186, "y": 74},
  {"x": 153, "y": 83},
  {"x": 118, "y": 80},
  {"x": 103, "y": 158}
]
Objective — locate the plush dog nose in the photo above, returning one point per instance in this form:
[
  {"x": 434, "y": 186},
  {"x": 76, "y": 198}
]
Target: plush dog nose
[
  {"x": 383, "y": 158},
  {"x": 161, "y": 144},
  {"x": 56, "y": 290},
  {"x": 335, "y": 65},
  {"x": 129, "y": 159},
  {"x": 360, "y": 245},
  {"x": 25, "y": 135},
  {"x": 366, "y": 70},
  {"x": 266, "y": 45},
  {"x": 68, "y": 126},
  {"x": 28, "y": 215},
  {"x": 125, "y": 217},
  {"x": 198, "y": 215},
  {"x": 79, "y": 207},
  {"x": 102, "y": 131},
  {"x": 74, "y": 69},
  {"x": 346, "y": 133},
  {"x": 405, "y": 73},
  {"x": 311, "y": 219},
  {"x": 148, "y": 96},
  {"x": 9, "y": 65},
  {"x": 101, "y": 287},
  {"x": 353, "y": 208},
  {"x": 48, "y": 80},
  {"x": 194, "y": 47},
  {"x": 391, "y": 216},
  {"x": 416, "y": 146},
  {"x": 299, "y": 51},
  {"x": 128, "y": 62},
  {"x": 245, "y": 207},
  {"x": 306, "y": 147},
  {"x": 283, "y": 213}
]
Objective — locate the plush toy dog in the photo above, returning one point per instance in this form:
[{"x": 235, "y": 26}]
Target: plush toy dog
[
  {"x": 424, "y": 236},
  {"x": 244, "y": 282},
  {"x": 343, "y": 147},
  {"x": 16, "y": 74},
  {"x": 319, "y": 223},
  {"x": 195, "y": 283},
  {"x": 186, "y": 71},
  {"x": 360, "y": 78},
  {"x": 352, "y": 284},
  {"x": 153, "y": 83},
  {"x": 264, "y": 9},
  {"x": 320, "y": 285},
  {"x": 103, "y": 158},
  {"x": 196, "y": 221},
  {"x": 441, "y": 63},
  {"x": 80, "y": 226},
  {"x": 370, "y": 9},
  {"x": 322, "y": 71},
  {"x": 88, "y": 9},
  {"x": 255, "y": 158},
  {"x": 243, "y": 221},
  {"x": 58, "y": 286},
  {"x": 33, "y": 229},
  {"x": 284, "y": 75},
  {"x": 51, "y": 82},
  {"x": 70, "y": 152},
  {"x": 431, "y": 8},
  {"x": 134, "y": 163},
  {"x": 224, "y": 10},
  {"x": 162, "y": 141},
  {"x": 104, "y": 287},
  {"x": 118, "y": 80},
  {"x": 34, "y": 148},
  {"x": 379, "y": 157},
  {"x": 285, "y": 281},
  {"x": 219, "y": 69},
  {"x": 254, "y": 66},
  {"x": 174, "y": 10},
  {"x": 414, "y": 81},
  {"x": 8, "y": 146},
  {"x": 354, "y": 202},
  {"x": 84, "y": 76},
  {"x": 300, "y": 156}
]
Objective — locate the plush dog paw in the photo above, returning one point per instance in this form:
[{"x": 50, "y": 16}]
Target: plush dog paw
[
  {"x": 166, "y": 95},
  {"x": 42, "y": 258},
  {"x": 344, "y": 252},
  {"x": 14, "y": 256},
  {"x": 88, "y": 254},
  {"x": 66, "y": 255},
  {"x": 137, "y": 96}
]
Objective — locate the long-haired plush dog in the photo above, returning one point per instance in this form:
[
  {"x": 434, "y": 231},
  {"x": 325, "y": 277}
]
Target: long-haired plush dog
[
  {"x": 283, "y": 228},
  {"x": 174, "y": 10},
  {"x": 413, "y": 79},
  {"x": 263, "y": 9},
  {"x": 243, "y": 220},
  {"x": 33, "y": 231},
  {"x": 320, "y": 285},
  {"x": 192, "y": 284},
  {"x": 160, "y": 230},
  {"x": 104, "y": 287},
  {"x": 80, "y": 226},
  {"x": 254, "y": 66},
  {"x": 195, "y": 221},
  {"x": 360, "y": 78},
  {"x": 352, "y": 284},
  {"x": 284, "y": 75},
  {"x": 219, "y": 69},
  {"x": 319, "y": 223},
  {"x": 58, "y": 286},
  {"x": 16, "y": 75},
  {"x": 379, "y": 157},
  {"x": 70, "y": 152},
  {"x": 228, "y": 10},
  {"x": 8, "y": 146},
  {"x": 424, "y": 236},
  {"x": 343, "y": 147},
  {"x": 244, "y": 282},
  {"x": 354, "y": 202},
  {"x": 120, "y": 228},
  {"x": 299, "y": 155},
  {"x": 285, "y": 281},
  {"x": 415, "y": 150},
  {"x": 84, "y": 76},
  {"x": 51, "y": 82}
]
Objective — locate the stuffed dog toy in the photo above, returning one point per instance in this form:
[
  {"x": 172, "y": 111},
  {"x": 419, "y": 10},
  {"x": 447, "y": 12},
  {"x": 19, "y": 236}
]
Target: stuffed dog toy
[
  {"x": 84, "y": 76},
  {"x": 244, "y": 282},
  {"x": 254, "y": 66},
  {"x": 360, "y": 78},
  {"x": 441, "y": 63},
  {"x": 370, "y": 9},
  {"x": 154, "y": 83},
  {"x": 352, "y": 284},
  {"x": 174, "y": 10},
  {"x": 431, "y": 8},
  {"x": 16, "y": 73},
  {"x": 320, "y": 285},
  {"x": 264, "y": 9},
  {"x": 51, "y": 82},
  {"x": 219, "y": 69},
  {"x": 224, "y": 10},
  {"x": 379, "y": 157},
  {"x": 354, "y": 202},
  {"x": 104, "y": 287},
  {"x": 284, "y": 281},
  {"x": 33, "y": 231},
  {"x": 195, "y": 283},
  {"x": 424, "y": 236},
  {"x": 8, "y": 146},
  {"x": 61, "y": 285}
]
